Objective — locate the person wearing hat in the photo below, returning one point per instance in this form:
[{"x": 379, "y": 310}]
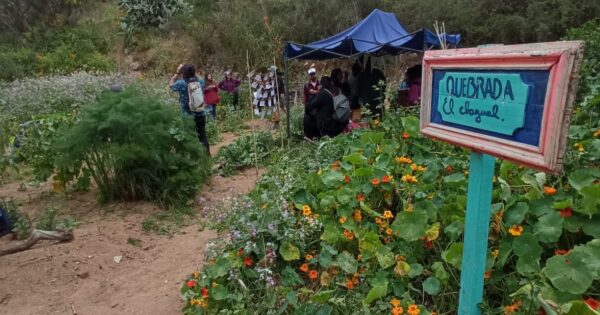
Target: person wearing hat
[
  {"x": 230, "y": 85},
  {"x": 312, "y": 87}
]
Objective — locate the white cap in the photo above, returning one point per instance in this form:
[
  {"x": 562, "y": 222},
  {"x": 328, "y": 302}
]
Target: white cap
[{"x": 312, "y": 70}]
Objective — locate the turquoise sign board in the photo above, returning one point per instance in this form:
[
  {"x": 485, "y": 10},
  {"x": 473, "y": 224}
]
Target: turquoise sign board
[
  {"x": 488, "y": 101},
  {"x": 505, "y": 104}
]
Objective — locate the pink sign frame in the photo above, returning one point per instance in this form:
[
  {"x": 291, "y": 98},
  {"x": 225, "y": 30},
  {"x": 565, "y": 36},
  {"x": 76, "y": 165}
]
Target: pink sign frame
[{"x": 561, "y": 59}]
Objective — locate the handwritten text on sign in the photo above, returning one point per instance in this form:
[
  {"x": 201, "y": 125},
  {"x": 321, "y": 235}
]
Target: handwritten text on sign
[{"x": 488, "y": 101}]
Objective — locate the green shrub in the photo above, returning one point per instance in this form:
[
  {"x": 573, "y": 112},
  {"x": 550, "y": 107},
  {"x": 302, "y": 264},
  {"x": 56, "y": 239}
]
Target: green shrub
[
  {"x": 139, "y": 14},
  {"x": 20, "y": 222},
  {"x": 246, "y": 151},
  {"x": 62, "y": 51},
  {"x": 36, "y": 142},
  {"x": 16, "y": 63},
  {"x": 134, "y": 148}
]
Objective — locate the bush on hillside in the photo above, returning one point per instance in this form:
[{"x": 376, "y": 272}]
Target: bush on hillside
[{"x": 134, "y": 148}]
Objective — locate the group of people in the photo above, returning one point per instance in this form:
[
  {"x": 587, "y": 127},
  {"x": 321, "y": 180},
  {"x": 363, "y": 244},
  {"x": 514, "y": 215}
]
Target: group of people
[
  {"x": 181, "y": 81},
  {"x": 325, "y": 99}
]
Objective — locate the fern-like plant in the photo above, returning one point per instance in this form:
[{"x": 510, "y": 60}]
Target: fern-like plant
[{"x": 134, "y": 147}]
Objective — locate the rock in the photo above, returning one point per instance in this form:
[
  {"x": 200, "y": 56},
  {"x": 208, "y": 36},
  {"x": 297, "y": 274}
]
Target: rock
[
  {"x": 116, "y": 87},
  {"x": 118, "y": 259},
  {"x": 84, "y": 275},
  {"x": 135, "y": 66}
]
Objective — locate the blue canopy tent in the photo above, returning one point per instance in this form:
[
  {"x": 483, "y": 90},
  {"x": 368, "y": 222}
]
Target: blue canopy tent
[{"x": 380, "y": 33}]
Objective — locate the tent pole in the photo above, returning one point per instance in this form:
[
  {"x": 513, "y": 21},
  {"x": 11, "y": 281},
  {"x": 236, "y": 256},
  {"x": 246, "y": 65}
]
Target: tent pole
[{"x": 287, "y": 98}]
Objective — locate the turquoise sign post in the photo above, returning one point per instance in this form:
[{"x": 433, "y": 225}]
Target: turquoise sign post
[{"x": 509, "y": 102}]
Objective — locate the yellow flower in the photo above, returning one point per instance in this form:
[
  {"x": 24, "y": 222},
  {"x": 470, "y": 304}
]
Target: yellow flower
[
  {"x": 597, "y": 133},
  {"x": 403, "y": 160},
  {"x": 214, "y": 285},
  {"x": 433, "y": 232},
  {"x": 388, "y": 231},
  {"x": 409, "y": 178},
  {"x": 388, "y": 214},
  {"x": 495, "y": 253},
  {"x": 264, "y": 206},
  {"x": 515, "y": 230},
  {"x": 409, "y": 208},
  {"x": 342, "y": 220},
  {"x": 417, "y": 168},
  {"x": 579, "y": 147},
  {"x": 377, "y": 221},
  {"x": 196, "y": 275}
]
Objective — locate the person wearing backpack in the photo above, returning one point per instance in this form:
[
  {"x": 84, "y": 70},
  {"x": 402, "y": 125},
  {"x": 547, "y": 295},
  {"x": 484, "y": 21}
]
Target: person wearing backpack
[
  {"x": 328, "y": 123},
  {"x": 191, "y": 98}
]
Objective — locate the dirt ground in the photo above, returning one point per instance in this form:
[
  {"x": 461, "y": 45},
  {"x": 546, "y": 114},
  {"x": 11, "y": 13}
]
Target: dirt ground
[{"x": 100, "y": 272}]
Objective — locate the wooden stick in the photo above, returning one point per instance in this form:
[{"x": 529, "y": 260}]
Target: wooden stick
[
  {"x": 37, "y": 235},
  {"x": 252, "y": 117}
]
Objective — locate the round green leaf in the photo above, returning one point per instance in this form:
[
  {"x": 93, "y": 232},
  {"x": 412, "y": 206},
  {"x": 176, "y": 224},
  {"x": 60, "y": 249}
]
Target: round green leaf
[
  {"x": 569, "y": 273},
  {"x": 432, "y": 286},
  {"x": 410, "y": 226},
  {"x": 548, "y": 229},
  {"x": 289, "y": 252}
]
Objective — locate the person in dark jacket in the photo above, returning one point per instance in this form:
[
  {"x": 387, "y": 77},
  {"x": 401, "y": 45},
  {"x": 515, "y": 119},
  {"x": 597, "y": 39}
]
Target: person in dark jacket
[
  {"x": 323, "y": 102},
  {"x": 370, "y": 93},
  {"x": 311, "y": 129}
]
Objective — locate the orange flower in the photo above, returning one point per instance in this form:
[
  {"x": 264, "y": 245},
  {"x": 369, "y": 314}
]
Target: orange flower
[
  {"x": 449, "y": 168},
  {"x": 377, "y": 221},
  {"x": 306, "y": 210},
  {"x": 560, "y": 252},
  {"x": 304, "y": 267},
  {"x": 388, "y": 231},
  {"x": 388, "y": 214},
  {"x": 409, "y": 178},
  {"x": 395, "y": 302},
  {"x": 240, "y": 252},
  {"x": 308, "y": 257},
  {"x": 349, "y": 284},
  {"x": 342, "y": 220},
  {"x": 397, "y": 310},
  {"x": 566, "y": 212},
  {"x": 357, "y": 215},
  {"x": 349, "y": 235},
  {"x": 313, "y": 275},
  {"x": 487, "y": 274},
  {"x": 360, "y": 198},
  {"x": 413, "y": 310},
  {"x": 510, "y": 309},
  {"x": 405, "y": 135},
  {"x": 248, "y": 261},
  {"x": 550, "y": 191},
  {"x": 346, "y": 179},
  {"x": 403, "y": 160},
  {"x": 387, "y": 179},
  {"x": 196, "y": 275},
  {"x": 375, "y": 181},
  {"x": 515, "y": 230},
  {"x": 335, "y": 166}
]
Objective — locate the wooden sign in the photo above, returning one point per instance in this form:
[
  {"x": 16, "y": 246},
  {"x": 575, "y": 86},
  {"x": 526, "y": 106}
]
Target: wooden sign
[{"x": 513, "y": 102}]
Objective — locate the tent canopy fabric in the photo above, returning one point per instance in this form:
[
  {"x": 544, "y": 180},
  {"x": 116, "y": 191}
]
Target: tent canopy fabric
[{"x": 379, "y": 33}]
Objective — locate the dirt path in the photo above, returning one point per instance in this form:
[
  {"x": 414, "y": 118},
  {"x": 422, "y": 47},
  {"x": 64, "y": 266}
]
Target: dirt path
[{"x": 84, "y": 277}]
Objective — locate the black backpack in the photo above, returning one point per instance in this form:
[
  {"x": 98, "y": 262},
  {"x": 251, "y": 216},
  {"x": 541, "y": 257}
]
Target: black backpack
[{"x": 5, "y": 224}]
